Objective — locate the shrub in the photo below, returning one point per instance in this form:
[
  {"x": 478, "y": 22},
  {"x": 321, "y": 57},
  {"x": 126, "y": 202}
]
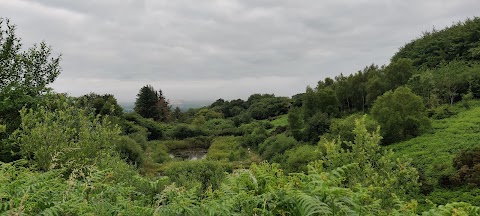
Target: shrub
[
  {"x": 401, "y": 115},
  {"x": 297, "y": 159},
  {"x": 67, "y": 137},
  {"x": 226, "y": 148},
  {"x": 344, "y": 127},
  {"x": 204, "y": 172},
  {"x": 276, "y": 145},
  {"x": 441, "y": 112},
  {"x": 130, "y": 150},
  {"x": 183, "y": 131},
  {"x": 243, "y": 118},
  {"x": 467, "y": 164},
  {"x": 155, "y": 129},
  {"x": 254, "y": 138},
  {"x": 222, "y": 127},
  {"x": 316, "y": 126},
  {"x": 159, "y": 152}
]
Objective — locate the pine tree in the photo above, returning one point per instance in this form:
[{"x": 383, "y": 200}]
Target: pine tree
[
  {"x": 146, "y": 103},
  {"x": 163, "y": 107}
]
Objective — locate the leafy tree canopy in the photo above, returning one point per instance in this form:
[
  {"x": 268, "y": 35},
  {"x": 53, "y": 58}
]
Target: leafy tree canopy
[{"x": 401, "y": 115}]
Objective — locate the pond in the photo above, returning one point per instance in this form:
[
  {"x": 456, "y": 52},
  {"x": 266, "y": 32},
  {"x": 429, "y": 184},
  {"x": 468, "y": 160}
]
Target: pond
[{"x": 189, "y": 154}]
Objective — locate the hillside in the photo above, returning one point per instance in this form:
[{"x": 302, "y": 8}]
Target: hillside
[
  {"x": 433, "y": 152},
  {"x": 458, "y": 42}
]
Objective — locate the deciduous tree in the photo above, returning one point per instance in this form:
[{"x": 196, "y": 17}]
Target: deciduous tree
[{"x": 401, "y": 115}]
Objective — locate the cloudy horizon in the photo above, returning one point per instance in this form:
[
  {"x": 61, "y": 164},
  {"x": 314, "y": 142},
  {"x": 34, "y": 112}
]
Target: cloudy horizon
[{"x": 205, "y": 50}]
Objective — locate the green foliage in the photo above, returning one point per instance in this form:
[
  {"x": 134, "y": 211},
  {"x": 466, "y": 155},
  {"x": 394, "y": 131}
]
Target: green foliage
[
  {"x": 255, "y": 134},
  {"x": 188, "y": 143},
  {"x": 130, "y": 150},
  {"x": 401, "y": 115},
  {"x": 208, "y": 114},
  {"x": 222, "y": 127},
  {"x": 454, "y": 79},
  {"x": 441, "y": 112},
  {"x": 297, "y": 159},
  {"x": 467, "y": 164},
  {"x": 155, "y": 129},
  {"x": 31, "y": 70},
  {"x": 460, "y": 209},
  {"x": 373, "y": 167},
  {"x": 268, "y": 107},
  {"x": 322, "y": 100},
  {"x": 191, "y": 173},
  {"x": 152, "y": 104},
  {"x": 183, "y": 131},
  {"x": 276, "y": 145},
  {"x": 316, "y": 126},
  {"x": 226, "y": 148},
  {"x": 344, "y": 128},
  {"x": 158, "y": 152},
  {"x": 244, "y": 118},
  {"x": 24, "y": 76},
  {"x": 459, "y": 41},
  {"x": 295, "y": 123},
  {"x": 398, "y": 72},
  {"x": 447, "y": 82},
  {"x": 434, "y": 152},
  {"x": 229, "y": 108},
  {"x": 102, "y": 104},
  {"x": 86, "y": 191},
  {"x": 67, "y": 137}
]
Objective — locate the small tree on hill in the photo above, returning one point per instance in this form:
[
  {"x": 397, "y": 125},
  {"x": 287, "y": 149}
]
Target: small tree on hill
[{"x": 401, "y": 115}]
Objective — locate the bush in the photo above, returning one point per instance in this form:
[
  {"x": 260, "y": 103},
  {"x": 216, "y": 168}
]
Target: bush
[
  {"x": 269, "y": 107},
  {"x": 401, "y": 115},
  {"x": 441, "y": 112},
  {"x": 252, "y": 139},
  {"x": 130, "y": 150},
  {"x": 155, "y": 129},
  {"x": 276, "y": 145},
  {"x": 316, "y": 126},
  {"x": 159, "y": 152},
  {"x": 183, "y": 131},
  {"x": 67, "y": 137},
  {"x": 467, "y": 164},
  {"x": 222, "y": 127},
  {"x": 297, "y": 159},
  {"x": 226, "y": 148},
  {"x": 344, "y": 127},
  {"x": 188, "y": 143},
  {"x": 243, "y": 118},
  {"x": 203, "y": 172}
]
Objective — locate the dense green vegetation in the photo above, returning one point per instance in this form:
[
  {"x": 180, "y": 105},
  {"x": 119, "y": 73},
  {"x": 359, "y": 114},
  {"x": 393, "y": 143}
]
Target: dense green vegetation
[
  {"x": 398, "y": 139},
  {"x": 434, "y": 154}
]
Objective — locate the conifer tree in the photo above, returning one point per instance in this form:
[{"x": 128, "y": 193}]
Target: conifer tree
[
  {"x": 146, "y": 103},
  {"x": 163, "y": 107}
]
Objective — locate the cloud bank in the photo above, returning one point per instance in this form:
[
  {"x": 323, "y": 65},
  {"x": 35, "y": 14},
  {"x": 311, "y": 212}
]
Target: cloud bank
[{"x": 204, "y": 50}]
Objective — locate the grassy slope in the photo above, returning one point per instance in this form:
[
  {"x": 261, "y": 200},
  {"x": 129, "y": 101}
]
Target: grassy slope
[
  {"x": 280, "y": 121},
  {"x": 432, "y": 153}
]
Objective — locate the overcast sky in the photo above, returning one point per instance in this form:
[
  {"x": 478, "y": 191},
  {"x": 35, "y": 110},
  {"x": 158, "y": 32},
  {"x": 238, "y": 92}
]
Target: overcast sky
[{"x": 209, "y": 49}]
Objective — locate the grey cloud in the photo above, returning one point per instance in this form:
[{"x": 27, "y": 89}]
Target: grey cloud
[{"x": 222, "y": 41}]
